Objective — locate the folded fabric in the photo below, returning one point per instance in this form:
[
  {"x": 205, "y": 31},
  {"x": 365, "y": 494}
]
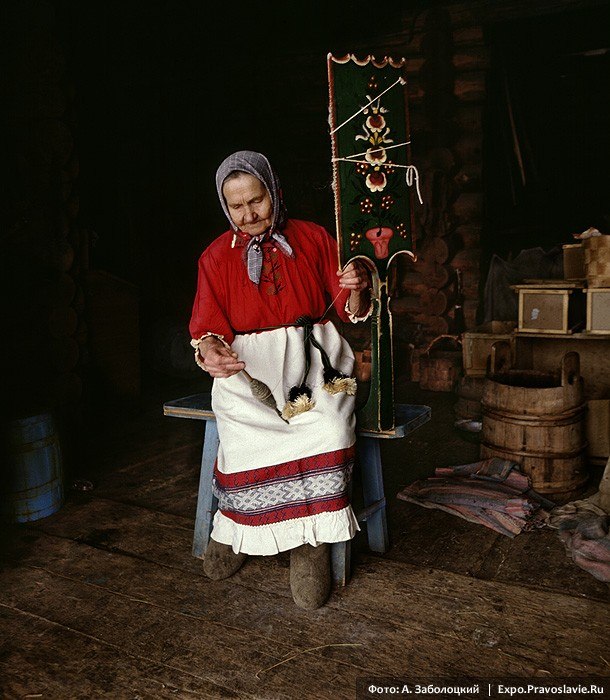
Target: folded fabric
[
  {"x": 492, "y": 492},
  {"x": 584, "y": 529}
]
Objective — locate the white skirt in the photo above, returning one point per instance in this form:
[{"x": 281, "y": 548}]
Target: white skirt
[{"x": 281, "y": 485}]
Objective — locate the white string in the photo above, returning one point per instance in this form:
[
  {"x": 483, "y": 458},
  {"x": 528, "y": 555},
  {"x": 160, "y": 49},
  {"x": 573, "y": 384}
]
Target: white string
[
  {"x": 365, "y": 162},
  {"x": 328, "y": 308},
  {"x": 400, "y": 81},
  {"x": 411, "y": 174},
  {"x": 374, "y": 150}
]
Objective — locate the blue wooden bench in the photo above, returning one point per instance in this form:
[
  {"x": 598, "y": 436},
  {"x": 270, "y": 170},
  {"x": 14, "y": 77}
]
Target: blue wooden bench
[{"x": 408, "y": 418}]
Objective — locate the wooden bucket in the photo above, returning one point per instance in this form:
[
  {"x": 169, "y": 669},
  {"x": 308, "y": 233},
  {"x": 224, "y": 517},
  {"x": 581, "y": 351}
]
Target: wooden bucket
[
  {"x": 537, "y": 419},
  {"x": 31, "y": 485},
  {"x": 597, "y": 261},
  {"x": 469, "y": 392}
]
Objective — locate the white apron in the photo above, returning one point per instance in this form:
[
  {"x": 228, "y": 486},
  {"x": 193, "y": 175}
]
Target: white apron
[{"x": 281, "y": 485}]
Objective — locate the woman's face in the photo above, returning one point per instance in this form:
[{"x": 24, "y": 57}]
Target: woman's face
[{"x": 249, "y": 203}]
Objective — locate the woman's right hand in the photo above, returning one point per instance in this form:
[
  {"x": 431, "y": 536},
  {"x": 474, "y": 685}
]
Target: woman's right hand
[{"x": 220, "y": 361}]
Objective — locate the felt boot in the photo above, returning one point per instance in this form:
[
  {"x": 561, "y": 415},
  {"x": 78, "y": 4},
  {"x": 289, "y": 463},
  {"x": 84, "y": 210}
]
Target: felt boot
[
  {"x": 220, "y": 561},
  {"x": 310, "y": 575}
]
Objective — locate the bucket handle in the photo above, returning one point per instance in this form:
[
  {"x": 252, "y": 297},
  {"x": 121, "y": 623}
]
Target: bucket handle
[
  {"x": 454, "y": 338},
  {"x": 501, "y": 357},
  {"x": 570, "y": 368}
]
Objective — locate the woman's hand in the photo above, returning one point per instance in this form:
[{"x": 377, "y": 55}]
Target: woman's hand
[
  {"x": 219, "y": 360},
  {"x": 356, "y": 278}
]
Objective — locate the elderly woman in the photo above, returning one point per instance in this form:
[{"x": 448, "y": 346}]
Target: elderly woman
[{"x": 264, "y": 290}]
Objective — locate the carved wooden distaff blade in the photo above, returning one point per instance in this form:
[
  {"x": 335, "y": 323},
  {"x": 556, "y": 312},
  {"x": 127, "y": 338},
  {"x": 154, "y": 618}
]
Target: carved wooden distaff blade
[{"x": 369, "y": 131}]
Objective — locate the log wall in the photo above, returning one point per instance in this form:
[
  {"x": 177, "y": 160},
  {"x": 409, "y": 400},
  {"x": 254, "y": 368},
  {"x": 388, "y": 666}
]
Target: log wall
[
  {"x": 447, "y": 65},
  {"x": 447, "y": 61},
  {"x": 44, "y": 246},
  {"x": 148, "y": 83}
]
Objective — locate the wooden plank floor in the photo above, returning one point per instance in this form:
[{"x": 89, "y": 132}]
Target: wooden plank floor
[{"x": 103, "y": 599}]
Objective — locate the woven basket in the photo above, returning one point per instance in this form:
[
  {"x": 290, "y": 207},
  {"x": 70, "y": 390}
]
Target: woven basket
[
  {"x": 440, "y": 365},
  {"x": 597, "y": 261}
]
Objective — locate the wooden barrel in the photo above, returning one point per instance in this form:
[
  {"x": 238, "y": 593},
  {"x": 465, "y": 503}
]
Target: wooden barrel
[
  {"x": 31, "y": 485},
  {"x": 469, "y": 392},
  {"x": 537, "y": 419}
]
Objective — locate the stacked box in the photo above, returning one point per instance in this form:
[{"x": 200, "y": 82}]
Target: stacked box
[
  {"x": 573, "y": 261},
  {"x": 598, "y": 310},
  {"x": 551, "y": 307}
]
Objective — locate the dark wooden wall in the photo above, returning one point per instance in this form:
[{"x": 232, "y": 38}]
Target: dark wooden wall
[
  {"x": 43, "y": 250},
  {"x": 119, "y": 113}
]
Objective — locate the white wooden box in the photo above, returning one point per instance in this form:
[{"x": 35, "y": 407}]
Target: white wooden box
[
  {"x": 550, "y": 307},
  {"x": 598, "y": 310}
]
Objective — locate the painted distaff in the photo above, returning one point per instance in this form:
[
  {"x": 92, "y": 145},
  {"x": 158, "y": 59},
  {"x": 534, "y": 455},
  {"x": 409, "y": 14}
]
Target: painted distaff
[
  {"x": 372, "y": 176},
  {"x": 370, "y": 155}
]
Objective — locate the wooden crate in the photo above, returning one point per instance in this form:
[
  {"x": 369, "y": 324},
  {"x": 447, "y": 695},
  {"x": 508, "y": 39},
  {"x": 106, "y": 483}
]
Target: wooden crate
[
  {"x": 551, "y": 307},
  {"x": 598, "y": 310},
  {"x": 573, "y": 261},
  {"x": 477, "y": 344}
]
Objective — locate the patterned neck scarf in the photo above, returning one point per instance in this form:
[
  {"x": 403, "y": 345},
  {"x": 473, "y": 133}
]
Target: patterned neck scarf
[
  {"x": 254, "y": 253},
  {"x": 256, "y": 164}
]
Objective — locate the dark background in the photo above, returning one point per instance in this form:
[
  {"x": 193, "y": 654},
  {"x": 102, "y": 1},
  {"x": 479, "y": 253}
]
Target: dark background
[
  {"x": 155, "y": 94},
  {"x": 166, "y": 90},
  {"x": 553, "y": 69}
]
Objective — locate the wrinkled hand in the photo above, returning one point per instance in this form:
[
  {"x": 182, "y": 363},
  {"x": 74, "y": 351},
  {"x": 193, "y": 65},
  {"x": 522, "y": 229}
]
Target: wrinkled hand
[
  {"x": 354, "y": 277},
  {"x": 219, "y": 360}
]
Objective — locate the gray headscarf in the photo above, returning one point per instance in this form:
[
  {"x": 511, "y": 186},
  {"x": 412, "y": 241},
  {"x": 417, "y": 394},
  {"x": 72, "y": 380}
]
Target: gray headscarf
[{"x": 256, "y": 164}]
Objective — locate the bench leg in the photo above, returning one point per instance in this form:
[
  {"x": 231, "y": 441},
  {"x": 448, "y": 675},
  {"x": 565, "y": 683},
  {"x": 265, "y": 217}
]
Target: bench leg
[
  {"x": 341, "y": 554},
  {"x": 369, "y": 456},
  {"x": 207, "y": 503},
  {"x": 340, "y": 562}
]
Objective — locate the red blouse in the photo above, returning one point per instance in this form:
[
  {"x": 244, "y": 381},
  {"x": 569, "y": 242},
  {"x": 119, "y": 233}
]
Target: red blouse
[{"x": 228, "y": 302}]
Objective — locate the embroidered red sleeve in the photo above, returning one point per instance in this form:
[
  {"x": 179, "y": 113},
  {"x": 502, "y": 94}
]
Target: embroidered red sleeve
[
  {"x": 209, "y": 314},
  {"x": 330, "y": 265}
]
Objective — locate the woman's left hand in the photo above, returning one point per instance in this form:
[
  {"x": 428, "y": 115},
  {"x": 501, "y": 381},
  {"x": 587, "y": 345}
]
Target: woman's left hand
[{"x": 354, "y": 277}]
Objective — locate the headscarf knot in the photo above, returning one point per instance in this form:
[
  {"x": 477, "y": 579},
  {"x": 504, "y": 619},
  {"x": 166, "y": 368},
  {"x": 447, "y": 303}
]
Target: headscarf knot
[{"x": 256, "y": 164}]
